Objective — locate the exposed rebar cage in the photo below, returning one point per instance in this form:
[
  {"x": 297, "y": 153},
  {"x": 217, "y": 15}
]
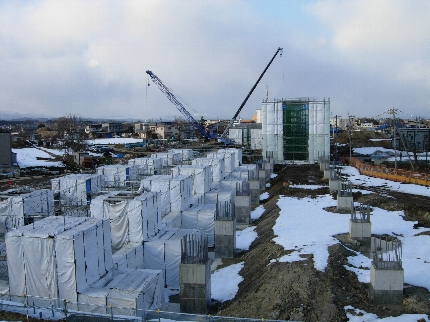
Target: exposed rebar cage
[
  {"x": 346, "y": 189},
  {"x": 194, "y": 250},
  {"x": 363, "y": 215},
  {"x": 224, "y": 211},
  {"x": 387, "y": 253}
]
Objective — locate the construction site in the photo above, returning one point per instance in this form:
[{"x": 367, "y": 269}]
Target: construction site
[{"x": 142, "y": 238}]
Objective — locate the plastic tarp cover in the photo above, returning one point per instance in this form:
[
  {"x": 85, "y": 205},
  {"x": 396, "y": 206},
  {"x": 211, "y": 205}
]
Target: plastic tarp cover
[
  {"x": 144, "y": 216},
  {"x": 256, "y": 139},
  {"x": 201, "y": 217},
  {"x": 217, "y": 164},
  {"x": 172, "y": 220},
  {"x": 180, "y": 192},
  {"x": 117, "y": 213},
  {"x": 135, "y": 290},
  {"x": 39, "y": 202},
  {"x": 164, "y": 253},
  {"x": 128, "y": 257},
  {"x": 229, "y": 160},
  {"x": 94, "y": 300},
  {"x": 163, "y": 185},
  {"x": 8, "y": 220},
  {"x": 201, "y": 174},
  {"x": 15, "y": 265},
  {"x": 73, "y": 188},
  {"x": 40, "y": 268}
]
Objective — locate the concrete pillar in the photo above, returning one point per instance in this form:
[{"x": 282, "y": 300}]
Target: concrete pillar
[
  {"x": 334, "y": 184},
  {"x": 268, "y": 166},
  {"x": 386, "y": 285},
  {"x": 327, "y": 173},
  {"x": 242, "y": 210},
  {"x": 195, "y": 287},
  {"x": 344, "y": 202},
  {"x": 254, "y": 186},
  {"x": 360, "y": 229},
  {"x": 324, "y": 165},
  {"x": 262, "y": 179},
  {"x": 225, "y": 238}
]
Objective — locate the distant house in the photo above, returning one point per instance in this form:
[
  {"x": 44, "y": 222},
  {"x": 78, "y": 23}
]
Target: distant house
[{"x": 414, "y": 138}]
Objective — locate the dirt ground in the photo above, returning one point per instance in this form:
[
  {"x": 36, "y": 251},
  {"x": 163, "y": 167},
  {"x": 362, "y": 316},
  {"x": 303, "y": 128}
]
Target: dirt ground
[{"x": 297, "y": 291}]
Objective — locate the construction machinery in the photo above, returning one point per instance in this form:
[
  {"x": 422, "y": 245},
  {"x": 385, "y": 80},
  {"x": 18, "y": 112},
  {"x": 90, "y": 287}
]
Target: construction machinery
[
  {"x": 202, "y": 131},
  {"x": 223, "y": 137}
]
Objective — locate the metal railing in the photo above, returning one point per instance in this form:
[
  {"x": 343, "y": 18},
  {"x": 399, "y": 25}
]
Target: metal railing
[{"x": 67, "y": 311}]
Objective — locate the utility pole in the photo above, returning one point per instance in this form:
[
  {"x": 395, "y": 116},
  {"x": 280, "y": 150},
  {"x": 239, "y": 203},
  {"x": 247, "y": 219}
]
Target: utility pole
[
  {"x": 335, "y": 141},
  {"x": 351, "y": 120},
  {"x": 393, "y": 111}
]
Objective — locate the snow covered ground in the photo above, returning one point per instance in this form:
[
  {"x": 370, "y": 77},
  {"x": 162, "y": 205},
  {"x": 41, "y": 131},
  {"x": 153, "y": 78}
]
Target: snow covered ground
[{"x": 292, "y": 222}]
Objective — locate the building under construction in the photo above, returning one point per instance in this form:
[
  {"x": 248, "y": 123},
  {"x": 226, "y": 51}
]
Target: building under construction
[{"x": 295, "y": 129}]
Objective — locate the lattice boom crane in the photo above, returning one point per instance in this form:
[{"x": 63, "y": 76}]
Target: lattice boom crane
[
  {"x": 179, "y": 106},
  {"x": 224, "y": 134}
]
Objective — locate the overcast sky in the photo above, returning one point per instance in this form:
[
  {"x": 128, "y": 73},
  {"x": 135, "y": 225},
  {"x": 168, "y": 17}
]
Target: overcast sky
[{"x": 90, "y": 58}]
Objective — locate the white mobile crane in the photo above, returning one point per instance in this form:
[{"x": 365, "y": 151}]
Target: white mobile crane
[{"x": 223, "y": 137}]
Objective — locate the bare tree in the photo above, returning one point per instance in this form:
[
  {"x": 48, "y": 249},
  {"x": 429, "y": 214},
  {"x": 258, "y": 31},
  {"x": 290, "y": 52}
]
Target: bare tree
[{"x": 70, "y": 129}]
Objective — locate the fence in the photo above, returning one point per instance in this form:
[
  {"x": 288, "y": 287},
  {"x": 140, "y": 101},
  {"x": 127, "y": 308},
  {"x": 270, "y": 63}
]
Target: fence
[
  {"x": 62, "y": 312},
  {"x": 398, "y": 175}
]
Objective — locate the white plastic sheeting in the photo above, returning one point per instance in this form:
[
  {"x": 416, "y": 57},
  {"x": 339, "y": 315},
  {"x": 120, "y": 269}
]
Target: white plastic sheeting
[
  {"x": 116, "y": 175},
  {"x": 172, "y": 220},
  {"x": 83, "y": 256},
  {"x": 187, "y": 154},
  {"x": 58, "y": 256},
  {"x": 229, "y": 159},
  {"x": 181, "y": 188},
  {"x": 127, "y": 292},
  {"x": 169, "y": 158},
  {"x": 144, "y": 216},
  {"x": 271, "y": 118},
  {"x": 224, "y": 198},
  {"x": 319, "y": 129},
  {"x": 161, "y": 184},
  {"x": 256, "y": 139},
  {"x": 272, "y": 129},
  {"x": 131, "y": 219},
  {"x": 217, "y": 164},
  {"x": 74, "y": 188},
  {"x": 163, "y": 252},
  {"x": 13, "y": 209},
  {"x": 236, "y": 135},
  {"x": 201, "y": 174},
  {"x": 128, "y": 257},
  {"x": 146, "y": 166},
  {"x": 201, "y": 217}
]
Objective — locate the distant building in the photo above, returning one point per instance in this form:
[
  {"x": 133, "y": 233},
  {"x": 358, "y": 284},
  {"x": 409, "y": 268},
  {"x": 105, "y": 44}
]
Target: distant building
[
  {"x": 413, "y": 138},
  {"x": 7, "y": 157},
  {"x": 295, "y": 129}
]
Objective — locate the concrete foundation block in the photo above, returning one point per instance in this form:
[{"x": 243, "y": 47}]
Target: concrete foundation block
[
  {"x": 334, "y": 184},
  {"x": 255, "y": 197},
  {"x": 327, "y": 174},
  {"x": 344, "y": 203},
  {"x": 262, "y": 179},
  {"x": 195, "y": 288},
  {"x": 225, "y": 227},
  {"x": 225, "y": 246},
  {"x": 360, "y": 229},
  {"x": 386, "y": 285},
  {"x": 324, "y": 165}
]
